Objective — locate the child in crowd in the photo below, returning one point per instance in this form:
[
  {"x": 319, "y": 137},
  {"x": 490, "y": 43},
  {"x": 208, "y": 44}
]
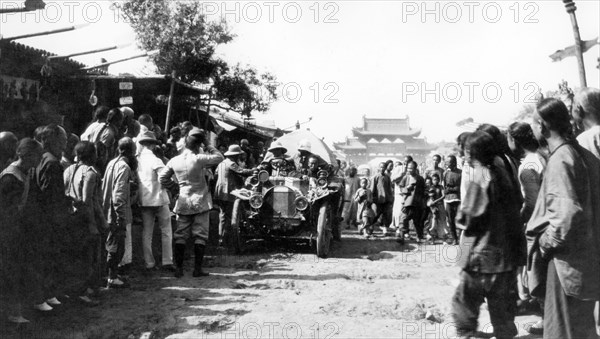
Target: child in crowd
[
  {"x": 364, "y": 213},
  {"x": 437, "y": 226}
]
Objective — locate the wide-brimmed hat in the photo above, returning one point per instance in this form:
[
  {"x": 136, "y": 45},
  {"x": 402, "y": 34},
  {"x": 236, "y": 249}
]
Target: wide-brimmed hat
[
  {"x": 304, "y": 145},
  {"x": 277, "y": 145},
  {"x": 233, "y": 150},
  {"x": 147, "y": 136}
]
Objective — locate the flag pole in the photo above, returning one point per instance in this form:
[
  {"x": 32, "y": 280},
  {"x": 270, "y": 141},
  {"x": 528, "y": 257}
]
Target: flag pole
[{"x": 570, "y": 7}]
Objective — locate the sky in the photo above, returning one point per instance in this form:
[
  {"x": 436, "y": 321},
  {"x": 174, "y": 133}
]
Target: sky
[{"x": 437, "y": 62}]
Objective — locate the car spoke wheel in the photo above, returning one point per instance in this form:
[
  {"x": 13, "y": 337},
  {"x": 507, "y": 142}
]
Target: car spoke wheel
[
  {"x": 324, "y": 230},
  {"x": 237, "y": 219}
]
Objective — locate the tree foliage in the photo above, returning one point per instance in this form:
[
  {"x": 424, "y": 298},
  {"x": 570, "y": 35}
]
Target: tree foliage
[
  {"x": 245, "y": 90},
  {"x": 186, "y": 40}
]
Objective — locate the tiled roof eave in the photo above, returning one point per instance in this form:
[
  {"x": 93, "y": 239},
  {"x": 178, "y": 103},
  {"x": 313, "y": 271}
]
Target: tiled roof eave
[{"x": 411, "y": 133}]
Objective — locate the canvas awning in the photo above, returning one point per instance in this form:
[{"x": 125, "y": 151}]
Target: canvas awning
[{"x": 224, "y": 125}]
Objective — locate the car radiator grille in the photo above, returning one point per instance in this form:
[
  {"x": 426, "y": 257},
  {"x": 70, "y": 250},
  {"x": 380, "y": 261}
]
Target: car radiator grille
[{"x": 283, "y": 202}]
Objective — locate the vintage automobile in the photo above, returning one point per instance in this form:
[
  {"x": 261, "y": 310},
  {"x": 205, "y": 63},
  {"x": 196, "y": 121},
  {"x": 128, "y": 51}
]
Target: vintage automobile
[{"x": 288, "y": 205}]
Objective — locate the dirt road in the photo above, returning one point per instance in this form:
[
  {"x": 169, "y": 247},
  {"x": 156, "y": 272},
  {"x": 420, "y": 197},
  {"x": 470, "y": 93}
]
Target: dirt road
[{"x": 366, "y": 289}]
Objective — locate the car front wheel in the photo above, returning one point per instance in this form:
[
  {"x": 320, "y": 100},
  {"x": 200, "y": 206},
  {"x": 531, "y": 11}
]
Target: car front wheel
[
  {"x": 237, "y": 218},
  {"x": 324, "y": 230}
]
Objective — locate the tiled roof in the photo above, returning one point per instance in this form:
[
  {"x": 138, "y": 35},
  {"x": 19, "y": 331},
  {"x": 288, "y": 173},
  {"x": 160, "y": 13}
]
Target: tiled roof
[{"x": 395, "y": 133}]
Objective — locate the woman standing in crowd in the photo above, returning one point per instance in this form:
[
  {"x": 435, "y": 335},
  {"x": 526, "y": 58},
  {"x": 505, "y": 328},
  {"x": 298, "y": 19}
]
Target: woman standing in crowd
[
  {"x": 83, "y": 185},
  {"x": 493, "y": 245},
  {"x": 18, "y": 278}
]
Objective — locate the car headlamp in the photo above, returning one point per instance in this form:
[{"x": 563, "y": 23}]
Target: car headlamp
[
  {"x": 263, "y": 176},
  {"x": 256, "y": 201},
  {"x": 322, "y": 182},
  {"x": 322, "y": 174},
  {"x": 301, "y": 203}
]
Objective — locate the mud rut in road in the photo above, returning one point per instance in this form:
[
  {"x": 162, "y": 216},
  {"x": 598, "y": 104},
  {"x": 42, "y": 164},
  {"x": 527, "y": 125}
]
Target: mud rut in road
[{"x": 367, "y": 288}]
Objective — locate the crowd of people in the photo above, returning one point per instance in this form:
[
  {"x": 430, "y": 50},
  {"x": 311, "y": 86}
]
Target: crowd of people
[
  {"x": 524, "y": 208},
  {"x": 398, "y": 195},
  {"x": 67, "y": 203},
  {"x": 521, "y": 204}
]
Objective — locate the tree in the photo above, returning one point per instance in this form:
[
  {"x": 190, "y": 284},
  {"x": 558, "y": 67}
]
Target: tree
[
  {"x": 186, "y": 40},
  {"x": 244, "y": 90}
]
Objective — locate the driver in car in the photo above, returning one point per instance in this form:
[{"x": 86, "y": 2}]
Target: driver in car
[{"x": 277, "y": 161}]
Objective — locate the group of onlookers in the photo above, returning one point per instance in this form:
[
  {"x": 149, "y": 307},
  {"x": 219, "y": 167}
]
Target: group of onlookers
[
  {"x": 524, "y": 208},
  {"x": 62, "y": 197},
  {"x": 398, "y": 195},
  {"x": 69, "y": 202},
  {"x": 531, "y": 230}
]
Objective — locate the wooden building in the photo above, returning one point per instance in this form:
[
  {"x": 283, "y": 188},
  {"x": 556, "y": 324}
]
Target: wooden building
[{"x": 384, "y": 137}]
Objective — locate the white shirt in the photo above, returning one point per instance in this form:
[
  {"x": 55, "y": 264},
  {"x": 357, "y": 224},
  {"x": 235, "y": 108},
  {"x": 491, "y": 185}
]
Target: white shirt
[
  {"x": 151, "y": 192},
  {"x": 86, "y": 136}
]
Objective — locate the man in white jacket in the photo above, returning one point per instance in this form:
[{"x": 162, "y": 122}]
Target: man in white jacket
[{"x": 154, "y": 201}]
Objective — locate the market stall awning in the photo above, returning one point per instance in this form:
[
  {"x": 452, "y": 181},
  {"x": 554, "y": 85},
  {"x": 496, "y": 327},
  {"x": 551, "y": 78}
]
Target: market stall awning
[
  {"x": 236, "y": 120},
  {"x": 225, "y": 125}
]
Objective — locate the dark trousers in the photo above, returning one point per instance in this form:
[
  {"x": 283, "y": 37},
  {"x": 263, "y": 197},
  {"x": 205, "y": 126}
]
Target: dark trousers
[
  {"x": 91, "y": 262},
  {"x": 53, "y": 252},
  {"x": 225, "y": 211},
  {"x": 451, "y": 210},
  {"x": 414, "y": 213},
  {"x": 385, "y": 212},
  {"x": 115, "y": 248},
  {"x": 566, "y": 317},
  {"x": 499, "y": 289}
]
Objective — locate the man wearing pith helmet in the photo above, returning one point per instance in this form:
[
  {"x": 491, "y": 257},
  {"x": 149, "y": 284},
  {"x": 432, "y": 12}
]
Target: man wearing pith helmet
[
  {"x": 230, "y": 176},
  {"x": 275, "y": 154},
  {"x": 304, "y": 153}
]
